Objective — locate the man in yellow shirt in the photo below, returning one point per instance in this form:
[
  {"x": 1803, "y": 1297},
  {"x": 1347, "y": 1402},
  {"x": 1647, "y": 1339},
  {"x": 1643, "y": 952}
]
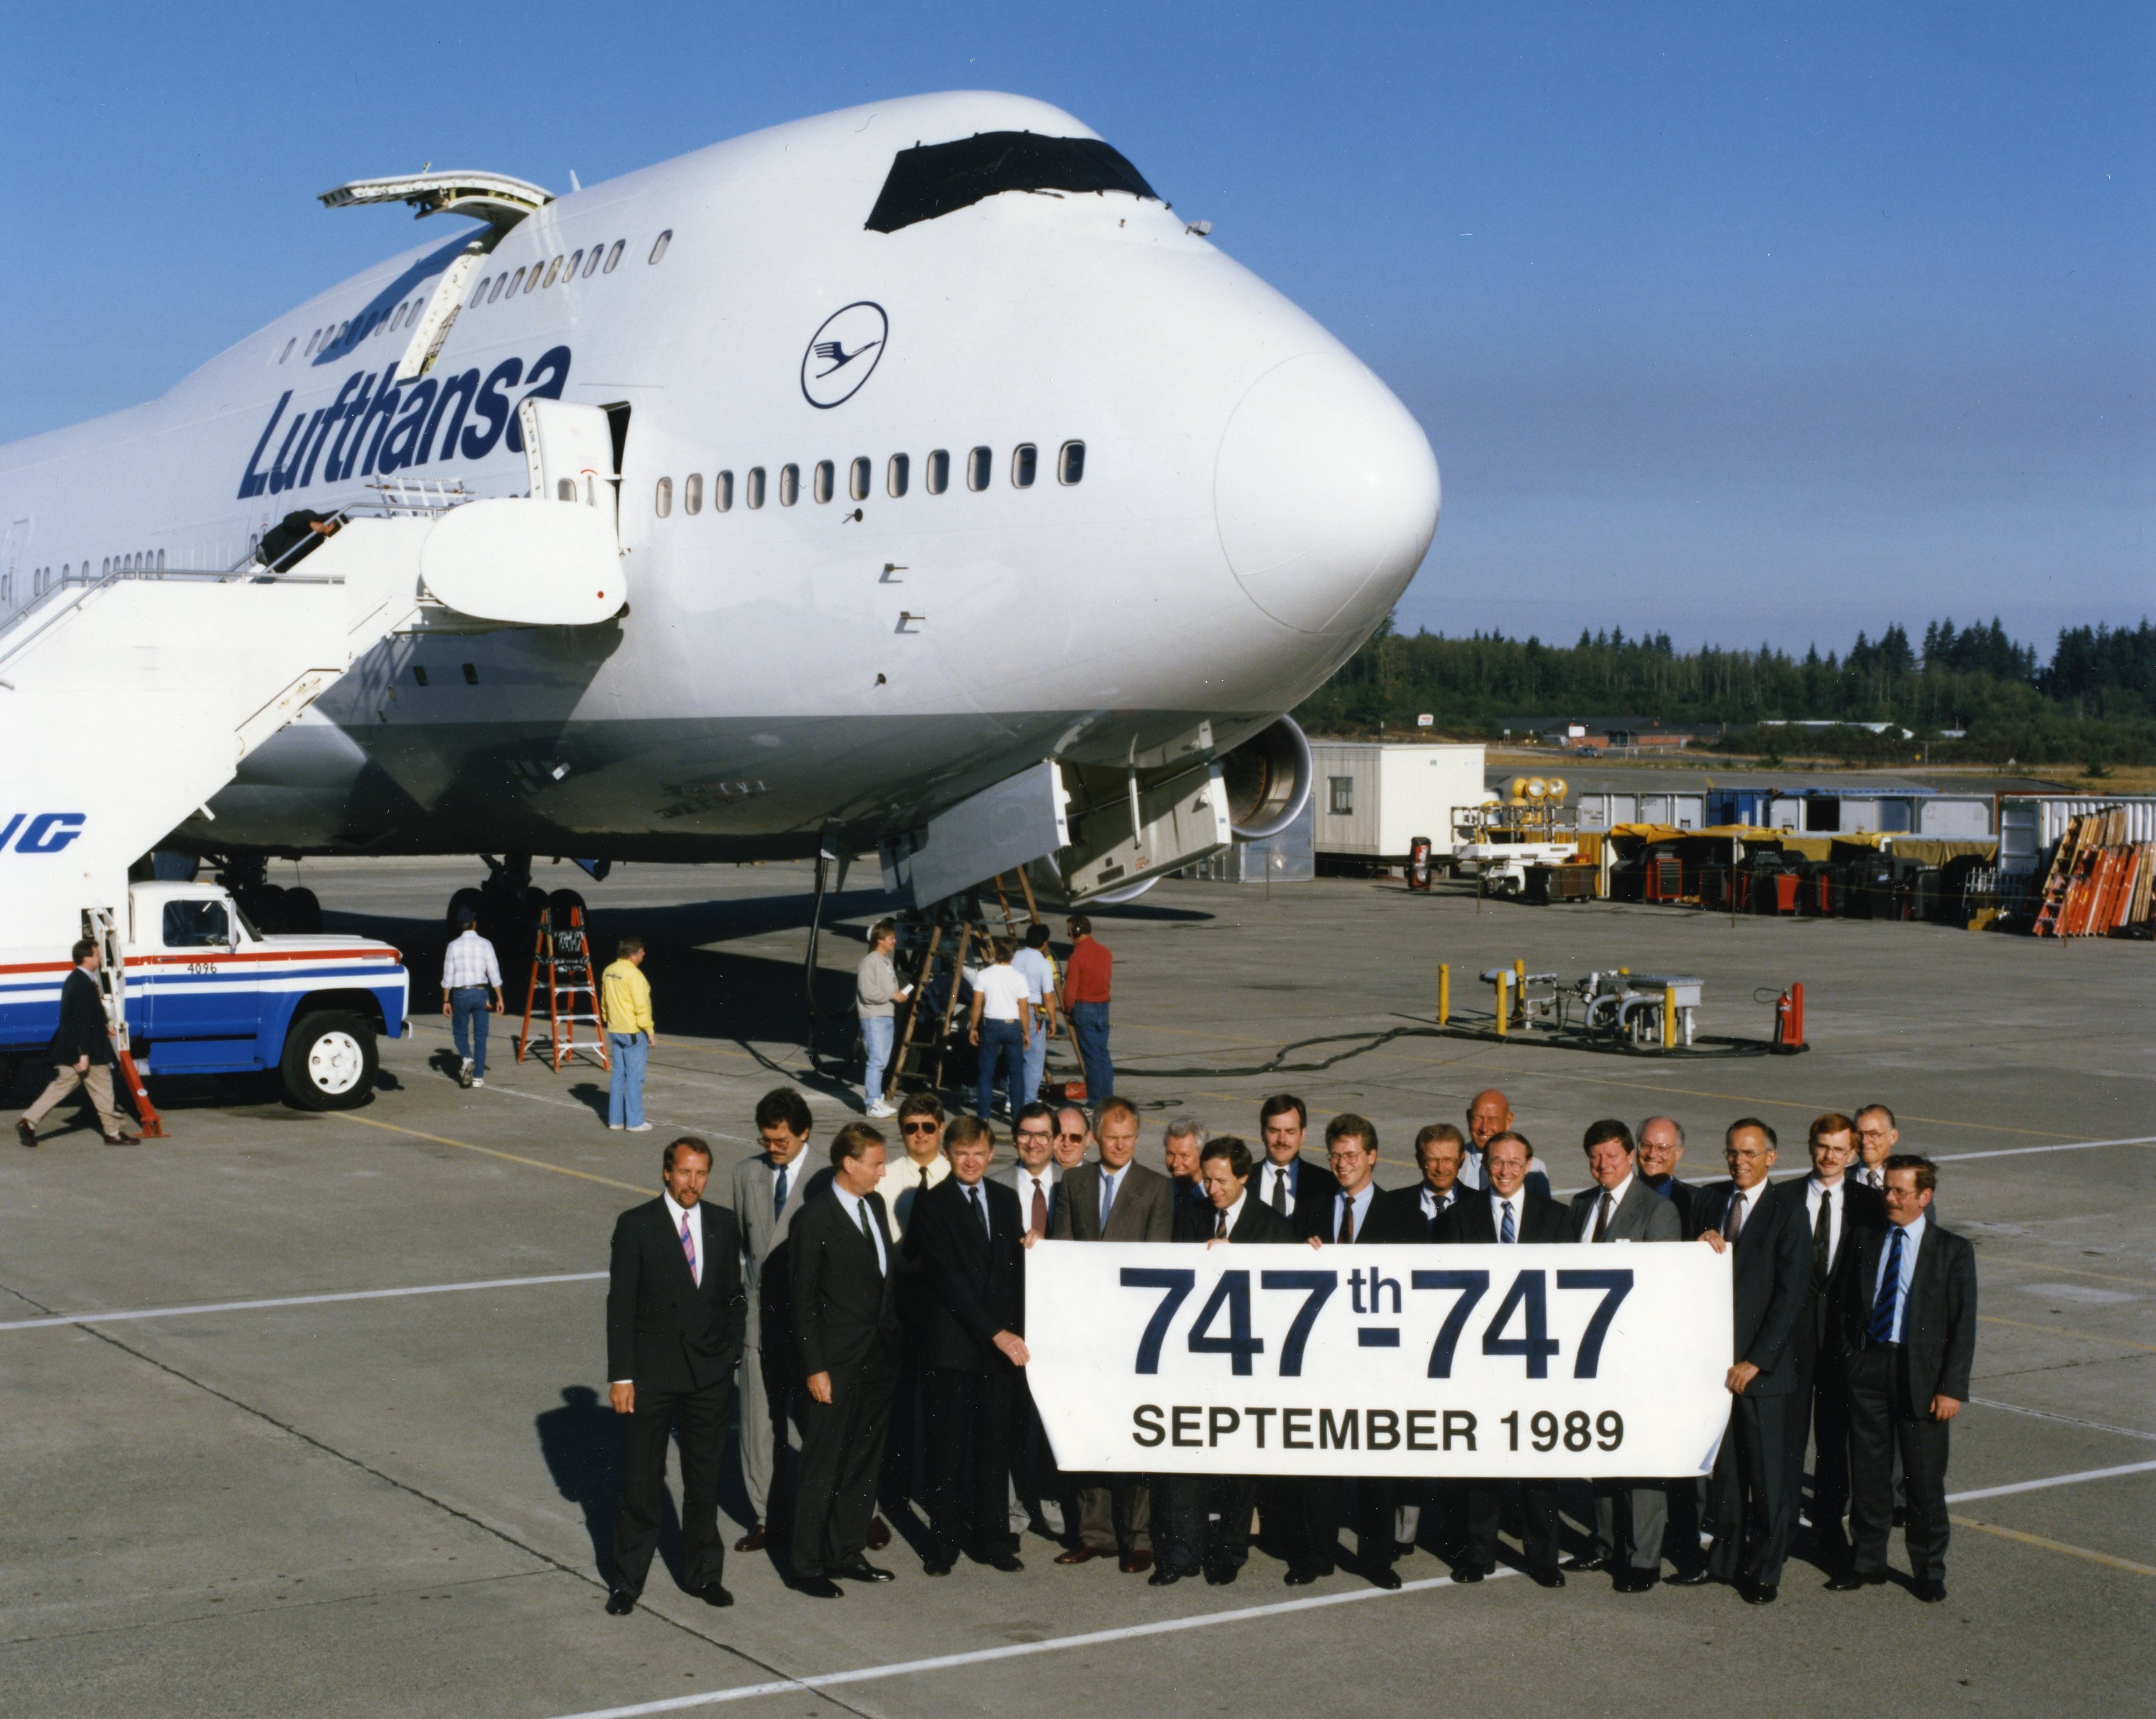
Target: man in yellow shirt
[{"x": 625, "y": 1009}]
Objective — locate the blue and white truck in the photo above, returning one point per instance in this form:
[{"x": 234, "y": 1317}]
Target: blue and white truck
[{"x": 206, "y": 993}]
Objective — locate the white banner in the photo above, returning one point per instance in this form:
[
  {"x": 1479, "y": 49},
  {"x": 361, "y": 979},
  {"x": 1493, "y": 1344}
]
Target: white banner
[{"x": 1521, "y": 1362}]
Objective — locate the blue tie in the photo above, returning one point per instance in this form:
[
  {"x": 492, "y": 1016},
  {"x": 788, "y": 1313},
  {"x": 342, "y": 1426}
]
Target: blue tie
[
  {"x": 779, "y": 1193},
  {"x": 1890, "y": 1291},
  {"x": 1508, "y": 1233},
  {"x": 1108, "y": 1201}
]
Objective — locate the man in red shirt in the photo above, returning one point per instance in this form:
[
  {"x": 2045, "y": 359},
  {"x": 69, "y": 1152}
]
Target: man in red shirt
[{"x": 1086, "y": 979}]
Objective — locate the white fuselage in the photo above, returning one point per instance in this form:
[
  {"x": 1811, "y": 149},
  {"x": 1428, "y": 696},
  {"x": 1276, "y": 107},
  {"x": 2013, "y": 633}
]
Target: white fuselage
[{"x": 1252, "y": 504}]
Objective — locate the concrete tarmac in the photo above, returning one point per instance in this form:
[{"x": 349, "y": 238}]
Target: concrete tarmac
[{"x": 387, "y": 1495}]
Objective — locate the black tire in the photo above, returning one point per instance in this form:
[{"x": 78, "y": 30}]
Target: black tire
[
  {"x": 330, "y": 1062},
  {"x": 560, "y": 902},
  {"x": 303, "y": 912}
]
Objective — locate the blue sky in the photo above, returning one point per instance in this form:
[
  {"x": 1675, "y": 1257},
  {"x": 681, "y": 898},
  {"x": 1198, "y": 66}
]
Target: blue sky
[{"x": 1740, "y": 321}]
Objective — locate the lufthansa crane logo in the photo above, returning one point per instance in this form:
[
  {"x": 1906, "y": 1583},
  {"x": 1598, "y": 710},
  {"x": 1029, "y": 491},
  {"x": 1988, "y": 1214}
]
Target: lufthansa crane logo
[{"x": 843, "y": 353}]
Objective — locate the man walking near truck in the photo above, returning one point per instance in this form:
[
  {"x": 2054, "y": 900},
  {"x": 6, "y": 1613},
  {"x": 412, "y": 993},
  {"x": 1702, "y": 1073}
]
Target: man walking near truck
[
  {"x": 471, "y": 988},
  {"x": 80, "y": 1054}
]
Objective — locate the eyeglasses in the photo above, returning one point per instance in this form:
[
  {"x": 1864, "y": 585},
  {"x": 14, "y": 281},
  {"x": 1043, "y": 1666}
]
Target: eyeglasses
[
  {"x": 1070, "y": 1136},
  {"x": 920, "y": 1127},
  {"x": 1036, "y": 1134}
]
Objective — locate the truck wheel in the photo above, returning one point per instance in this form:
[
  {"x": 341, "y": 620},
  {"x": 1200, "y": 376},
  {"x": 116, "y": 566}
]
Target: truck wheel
[{"x": 329, "y": 1062}]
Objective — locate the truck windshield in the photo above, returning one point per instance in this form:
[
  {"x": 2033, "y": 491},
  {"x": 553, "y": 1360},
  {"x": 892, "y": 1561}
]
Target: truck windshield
[
  {"x": 196, "y": 924},
  {"x": 932, "y": 179}
]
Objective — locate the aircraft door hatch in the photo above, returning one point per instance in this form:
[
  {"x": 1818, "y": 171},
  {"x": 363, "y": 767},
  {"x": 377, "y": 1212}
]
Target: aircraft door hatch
[{"x": 570, "y": 453}]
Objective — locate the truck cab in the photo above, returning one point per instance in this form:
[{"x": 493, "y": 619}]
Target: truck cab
[{"x": 206, "y": 993}]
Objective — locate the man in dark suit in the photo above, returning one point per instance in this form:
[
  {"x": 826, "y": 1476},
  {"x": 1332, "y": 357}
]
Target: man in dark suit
[
  {"x": 846, "y": 1338},
  {"x": 1835, "y": 1205},
  {"x": 1287, "y": 1181},
  {"x": 1180, "y": 1143},
  {"x": 964, "y": 1240},
  {"x": 1752, "y": 1496},
  {"x": 1440, "y": 1151},
  {"x": 1037, "y": 1484},
  {"x": 1113, "y": 1199},
  {"x": 1907, "y": 1306},
  {"x": 80, "y": 1054},
  {"x": 1629, "y": 1515},
  {"x": 1489, "y": 1115},
  {"x": 675, "y": 1311},
  {"x": 1509, "y": 1212},
  {"x": 1661, "y": 1149},
  {"x": 1205, "y": 1519},
  {"x": 1355, "y": 1214}
]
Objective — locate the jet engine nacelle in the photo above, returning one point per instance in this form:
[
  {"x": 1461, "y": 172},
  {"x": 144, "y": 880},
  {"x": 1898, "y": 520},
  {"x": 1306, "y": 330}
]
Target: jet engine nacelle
[{"x": 1268, "y": 779}]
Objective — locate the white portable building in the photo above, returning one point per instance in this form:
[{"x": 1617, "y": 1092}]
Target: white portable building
[{"x": 1373, "y": 798}]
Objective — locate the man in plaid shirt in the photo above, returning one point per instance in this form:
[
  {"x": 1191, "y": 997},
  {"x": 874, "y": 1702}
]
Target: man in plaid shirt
[{"x": 472, "y": 990}]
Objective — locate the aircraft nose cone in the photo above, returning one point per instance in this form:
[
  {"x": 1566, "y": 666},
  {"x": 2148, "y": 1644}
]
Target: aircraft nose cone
[{"x": 1326, "y": 494}]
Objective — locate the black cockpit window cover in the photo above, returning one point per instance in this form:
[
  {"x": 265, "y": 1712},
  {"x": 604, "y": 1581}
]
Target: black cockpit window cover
[{"x": 932, "y": 179}]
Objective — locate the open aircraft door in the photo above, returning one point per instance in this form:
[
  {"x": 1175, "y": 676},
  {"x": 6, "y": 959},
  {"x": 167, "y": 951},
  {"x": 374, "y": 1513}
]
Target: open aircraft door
[{"x": 570, "y": 451}]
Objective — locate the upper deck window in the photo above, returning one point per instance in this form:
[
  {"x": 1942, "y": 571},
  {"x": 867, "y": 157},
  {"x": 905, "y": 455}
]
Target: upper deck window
[{"x": 932, "y": 179}]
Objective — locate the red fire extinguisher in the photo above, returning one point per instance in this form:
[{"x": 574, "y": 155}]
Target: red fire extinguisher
[
  {"x": 1789, "y": 1022},
  {"x": 1419, "y": 863}
]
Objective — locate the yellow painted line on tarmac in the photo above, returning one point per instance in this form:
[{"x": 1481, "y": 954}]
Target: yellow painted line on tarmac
[
  {"x": 511, "y": 1157},
  {"x": 2058, "y": 1545},
  {"x": 1993, "y": 1318}
]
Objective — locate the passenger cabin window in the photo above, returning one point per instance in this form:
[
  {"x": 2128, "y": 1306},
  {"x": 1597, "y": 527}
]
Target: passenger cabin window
[
  {"x": 789, "y": 484},
  {"x": 569, "y": 273},
  {"x": 553, "y": 272},
  {"x": 1023, "y": 458},
  {"x": 722, "y": 486},
  {"x": 591, "y": 268},
  {"x": 312, "y": 339},
  {"x": 977, "y": 469},
  {"x": 827, "y": 481},
  {"x": 857, "y": 480},
  {"x": 662, "y": 499},
  {"x": 692, "y": 493},
  {"x": 566, "y": 490},
  {"x": 1341, "y": 790},
  {"x": 1071, "y": 463},
  {"x": 418, "y": 674},
  {"x": 289, "y": 345},
  {"x": 614, "y": 256},
  {"x": 933, "y": 179},
  {"x": 938, "y": 474},
  {"x": 896, "y": 474},
  {"x": 659, "y": 245},
  {"x": 478, "y": 298},
  {"x": 755, "y": 496},
  {"x": 197, "y": 924},
  {"x": 532, "y": 285}
]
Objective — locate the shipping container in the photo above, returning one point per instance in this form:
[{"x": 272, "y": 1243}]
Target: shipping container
[{"x": 2030, "y": 825}]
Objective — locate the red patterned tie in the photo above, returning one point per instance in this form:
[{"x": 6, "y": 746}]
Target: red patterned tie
[{"x": 689, "y": 1252}]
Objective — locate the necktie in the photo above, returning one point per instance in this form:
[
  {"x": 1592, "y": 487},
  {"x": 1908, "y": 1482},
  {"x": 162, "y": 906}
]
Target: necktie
[
  {"x": 1505, "y": 1232},
  {"x": 1890, "y": 1290},
  {"x": 1037, "y": 1219},
  {"x": 1220, "y": 1226},
  {"x": 1822, "y": 1236},
  {"x": 868, "y": 1233},
  {"x": 1733, "y": 1219},
  {"x": 980, "y": 1211},
  {"x": 689, "y": 1253},
  {"x": 1602, "y": 1218},
  {"x": 778, "y": 1194},
  {"x": 1107, "y": 1201},
  {"x": 1347, "y": 1219},
  {"x": 1280, "y": 1191}
]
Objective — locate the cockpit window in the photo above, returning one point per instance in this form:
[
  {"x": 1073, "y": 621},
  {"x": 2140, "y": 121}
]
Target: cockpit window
[{"x": 932, "y": 179}]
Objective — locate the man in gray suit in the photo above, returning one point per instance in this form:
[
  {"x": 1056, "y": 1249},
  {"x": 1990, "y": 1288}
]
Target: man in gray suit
[
  {"x": 1114, "y": 1201},
  {"x": 1630, "y": 1516},
  {"x": 767, "y": 1191}
]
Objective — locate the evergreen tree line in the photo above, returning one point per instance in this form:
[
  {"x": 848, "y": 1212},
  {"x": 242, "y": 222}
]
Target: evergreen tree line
[{"x": 2094, "y": 702}]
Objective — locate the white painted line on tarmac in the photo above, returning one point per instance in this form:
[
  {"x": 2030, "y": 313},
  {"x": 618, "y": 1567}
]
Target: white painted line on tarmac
[
  {"x": 2142, "y": 1140},
  {"x": 2131, "y": 1467},
  {"x": 2070, "y": 1420},
  {"x": 1134, "y": 1632},
  {"x": 1015, "y": 1650},
  {"x": 135, "y": 1313}
]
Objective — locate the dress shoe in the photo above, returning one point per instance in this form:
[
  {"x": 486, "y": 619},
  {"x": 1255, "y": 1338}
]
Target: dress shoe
[
  {"x": 1930, "y": 1592},
  {"x": 1701, "y": 1577},
  {"x": 1222, "y": 1576},
  {"x": 1585, "y": 1561},
  {"x": 123, "y": 1139},
  {"x": 1468, "y": 1572},
  {"x": 879, "y": 1534},
  {"x": 1850, "y": 1581},
  {"x": 936, "y": 1566},
  {"x": 1386, "y": 1577},
  {"x": 620, "y": 1602},
  {"x": 861, "y": 1570},
  {"x": 1548, "y": 1578},
  {"x": 1136, "y": 1563},
  {"x": 1163, "y": 1577},
  {"x": 1637, "y": 1581},
  {"x": 754, "y": 1541},
  {"x": 1403, "y": 1548},
  {"x": 816, "y": 1587},
  {"x": 25, "y": 1133},
  {"x": 1762, "y": 1593},
  {"x": 1008, "y": 1563},
  {"x": 712, "y": 1594},
  {"x": 1299, "y": 1575},
  {"x": 1079, "y": 1555}
]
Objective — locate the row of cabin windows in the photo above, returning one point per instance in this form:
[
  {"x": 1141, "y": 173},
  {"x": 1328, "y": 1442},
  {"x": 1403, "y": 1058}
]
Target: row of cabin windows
[
  {"x": 44, "y": 579},
  {"x": 601, "y": 259},
  {"x": 860, "y": 476}
]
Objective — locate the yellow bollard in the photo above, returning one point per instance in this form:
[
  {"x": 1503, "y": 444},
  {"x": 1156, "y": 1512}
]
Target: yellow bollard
[
  {"x": 1504, "y": 1001},
  {"x": 1669, "y": 1018},
  {"x": 1444, "y": 993}
]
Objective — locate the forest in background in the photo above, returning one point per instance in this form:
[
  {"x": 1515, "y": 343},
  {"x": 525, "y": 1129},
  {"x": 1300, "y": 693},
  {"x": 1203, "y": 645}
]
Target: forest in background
[{"x": 2091, "y": 702}]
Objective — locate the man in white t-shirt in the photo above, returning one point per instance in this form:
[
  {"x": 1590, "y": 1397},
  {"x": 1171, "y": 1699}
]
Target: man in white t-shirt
[
  {"x": 1001, "y": 1022},
  {"x": 1038, "y": 967}
]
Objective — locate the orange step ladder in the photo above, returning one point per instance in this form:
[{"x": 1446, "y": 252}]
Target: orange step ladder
[{"x": 563, "y": 955}]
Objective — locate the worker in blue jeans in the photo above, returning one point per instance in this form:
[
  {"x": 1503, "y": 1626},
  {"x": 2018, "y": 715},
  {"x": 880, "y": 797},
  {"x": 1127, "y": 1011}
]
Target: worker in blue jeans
[
  {"x": 1088, "y": 975},
  {"x": 1001, "y": 1022},
  {"x": 625, "y": 1012}
]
